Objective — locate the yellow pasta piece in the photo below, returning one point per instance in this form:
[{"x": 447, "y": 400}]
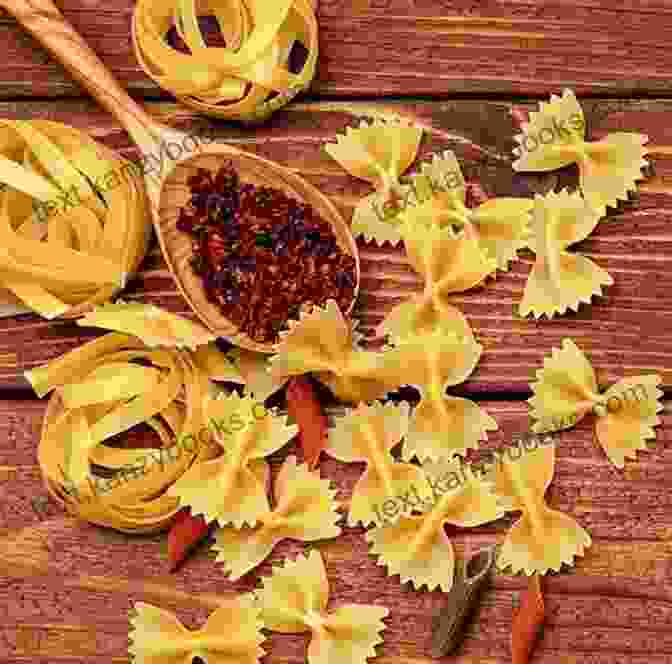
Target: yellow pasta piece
[
  {"x": 566, "y": 391},
  {"x": 560, "y": 280},
  {"x": 500, "y": 226},
  {"x": 216, "y": 364},
  {"x": 378, "y": 152},
  {"x": 62, "y": 249},
  {"x": 542, "y": 539},
  {"x": 249, "y": 78},
  {"x": 105, "y": 388},
  {"x": 254, "y": 369},
  {"x": 323, "y": 342},
  {"x": 441, "y": 426},
  {"x": 555, "y": 137},
  {"x": 305, "y": 510},
  {"x": 417, "y": 547},
  {"x": 294, "y": 600},
  {"x": 367, "y": 434},
  {"x": 232, "y": 633},
  {"x": 154, "y": 326},
  {"x": 449, "y": 263},
  {"x": 226, "y": 488}
]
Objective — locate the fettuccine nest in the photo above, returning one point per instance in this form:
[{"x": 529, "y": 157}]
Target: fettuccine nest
[
  {"x": 155, "y": 369},
  {"x": 248, "y": 79},
  {"x": 73, "y": 220}
]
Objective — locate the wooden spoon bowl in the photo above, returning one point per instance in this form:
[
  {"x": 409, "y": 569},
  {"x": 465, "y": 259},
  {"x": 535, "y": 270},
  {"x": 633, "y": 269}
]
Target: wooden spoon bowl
[
  {"x": 177, "y": 245},
  {"x": 167, "y": 191}
]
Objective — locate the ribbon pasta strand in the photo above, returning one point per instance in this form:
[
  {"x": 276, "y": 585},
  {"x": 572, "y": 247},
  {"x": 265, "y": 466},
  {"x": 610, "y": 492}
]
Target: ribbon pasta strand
[
  {"x": 249, "y": 78},
  {"x": 104, "y": 388},
  {"x": 73, "y": 220}
]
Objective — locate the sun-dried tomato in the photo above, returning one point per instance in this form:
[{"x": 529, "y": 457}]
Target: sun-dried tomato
[{"x": 263, "y": 256}]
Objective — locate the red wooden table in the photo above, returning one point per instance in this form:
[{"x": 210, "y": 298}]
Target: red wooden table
[{"x": 466, "y": 72}]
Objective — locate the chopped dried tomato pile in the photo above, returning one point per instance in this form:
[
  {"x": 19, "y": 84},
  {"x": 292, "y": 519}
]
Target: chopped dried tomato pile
[{"x": 262, "y": 255}]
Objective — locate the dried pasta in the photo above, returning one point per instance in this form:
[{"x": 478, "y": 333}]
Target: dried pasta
[
  {"x": 228, "y": 487},
  {"x": 449, "y": 263},
  {"x": 304, "y": 510},
  {"x": 325, "y": 343},
  {"x": 105, "y": 388},
  {"x": 566, "y": 391},
  {"x": 379, "y": 152},
  {"x": 416, "y": 546},
  {"x": 500, "y": 226},
  {"x": 246, "y": 80},
  {"x": 561, "y": 280},
  {"x": 555, "y": 137},
  {"x": 367, "y": 434},
  {"x": 440, "y": 426},
  {"x": 294, "y": 600},
  {"x": 232, "y": 633},
  {"x": 542, "y": 539},
  {"x": 73, "y": 220}
]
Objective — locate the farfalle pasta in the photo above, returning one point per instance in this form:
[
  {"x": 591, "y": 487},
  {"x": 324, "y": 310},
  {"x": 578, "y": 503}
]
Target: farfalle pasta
[
  {"x": 254, "y": 372},
  {"x": 232, "y": 633},
  {"x": 73, "y": 220},
  {"x": 416, "y": 546},
  {"x": 367, "y": 434},
  {"x": 560, "y": 280},
  {"x": 542, "y": 539},
  {"x": 294, "y": 600},
  {"x": 378, "y": 152},
  {"x": 325, "y": 343},
  {"x": 228, "y": 488},
  {"x": 555, "y": 136},
  {"x": 566, "y": 391},
  {"x": 500, "y": 226},
  {"x": 449, "y": 263},
  {"x": 246, "y": 80},
  {"x": 440, "y": 426},
  {"x": 304, "y": 510},
  {"x": 105, "y": 388}
]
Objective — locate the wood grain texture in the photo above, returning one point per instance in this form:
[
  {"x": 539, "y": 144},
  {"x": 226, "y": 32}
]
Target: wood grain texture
[
  {"x": 460, "y": 46},
  {"x": 626, "y": 332},
  {"x": 65, "y": 602}
]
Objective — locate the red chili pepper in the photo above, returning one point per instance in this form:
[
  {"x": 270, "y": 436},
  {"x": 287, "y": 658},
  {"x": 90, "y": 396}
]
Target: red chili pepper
[
  {"x": 186, "y": 532},
  {"x": 304, "y": 407},
  {"x": 527, "y": 622}
]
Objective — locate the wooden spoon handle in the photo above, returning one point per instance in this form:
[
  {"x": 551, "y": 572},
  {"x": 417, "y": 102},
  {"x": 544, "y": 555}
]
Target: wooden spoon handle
[{"x": 46, "y": 23}]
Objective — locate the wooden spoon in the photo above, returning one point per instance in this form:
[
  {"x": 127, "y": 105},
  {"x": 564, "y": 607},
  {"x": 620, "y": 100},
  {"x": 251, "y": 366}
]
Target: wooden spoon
[{"x": 167, "y": 190}]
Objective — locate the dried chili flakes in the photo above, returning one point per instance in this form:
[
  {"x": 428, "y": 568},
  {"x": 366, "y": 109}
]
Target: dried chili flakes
[{"x": 261, "y": 254}]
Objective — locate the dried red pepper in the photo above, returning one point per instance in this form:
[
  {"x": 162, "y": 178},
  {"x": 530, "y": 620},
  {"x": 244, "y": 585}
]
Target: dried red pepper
[
  {"x": 305, "y": 408},
  {"x": 186, "y": 532},
  {"x": 261, "y": 254},
  {"x": 528, "y": 622}
]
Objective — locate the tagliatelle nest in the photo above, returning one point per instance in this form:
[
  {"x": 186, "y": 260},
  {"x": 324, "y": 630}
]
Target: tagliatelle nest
[
  {"x": 105, "y": 388},
  {"x": 246, "y": 80},
  {"x": 73, "y": 220}
]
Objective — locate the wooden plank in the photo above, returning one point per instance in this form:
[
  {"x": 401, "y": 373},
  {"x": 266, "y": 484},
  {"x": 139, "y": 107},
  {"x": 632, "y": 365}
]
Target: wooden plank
[
  {"x": 500, "y": 46},
  {"x": 634, "y": 245},
  {"x": 64, "y": 602}
]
